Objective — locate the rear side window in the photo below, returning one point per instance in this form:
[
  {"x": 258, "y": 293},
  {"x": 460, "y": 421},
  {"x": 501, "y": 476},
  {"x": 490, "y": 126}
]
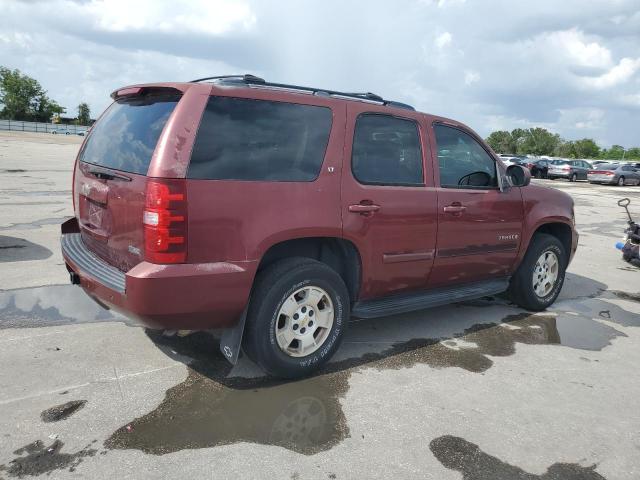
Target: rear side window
[
  {"x": 462, "y": 160},
  {"x": 246, "y": 139},
  {"x": 126, "y": 135},
  {"x": 386, "y": 151}
]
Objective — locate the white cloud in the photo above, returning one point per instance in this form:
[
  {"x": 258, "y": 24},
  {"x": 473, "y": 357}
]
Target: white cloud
[
  {"x": 620, "y": 73},
  {"x": 577, "y": 50},
  {"x": 443, "y": 40},
  {"x": 204, "y": 16},
  {"x": 471, "y": 77}
]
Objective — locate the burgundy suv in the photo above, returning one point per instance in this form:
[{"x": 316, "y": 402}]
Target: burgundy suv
[{"x": 277, "y": 212}]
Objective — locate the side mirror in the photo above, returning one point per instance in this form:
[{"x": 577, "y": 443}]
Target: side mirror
[{"x": 519, "y": 175}]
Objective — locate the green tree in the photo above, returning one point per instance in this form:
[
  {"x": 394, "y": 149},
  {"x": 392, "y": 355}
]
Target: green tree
[
  {"x": 565, "y": 150},
  {"x": 84, "y": 114},
  {"x": 537, "y": 141},
  {"x": 23, "y": 98},
  {"x": 586, "y": 148},
  {"x": 616, "y": 152},
  {"x": 633, "y": 153},
  {"x": 501, "y": 142}
]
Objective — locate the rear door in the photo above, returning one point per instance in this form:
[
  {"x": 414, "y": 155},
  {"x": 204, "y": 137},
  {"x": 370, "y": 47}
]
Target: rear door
[
  {"x": 110, "y": 176},
  {"x": 388, "y": 199},
  {"x": 479, "y": 226}
]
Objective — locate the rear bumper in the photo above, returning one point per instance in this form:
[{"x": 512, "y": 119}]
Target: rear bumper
[
  {"x": 611, "y": 180},
  {"x": 559, "y": 174},
  {"x": 180, "y": 296}
]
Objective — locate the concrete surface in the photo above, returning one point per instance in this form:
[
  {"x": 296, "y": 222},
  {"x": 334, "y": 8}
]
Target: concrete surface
[{"x": 480, "y": 390}]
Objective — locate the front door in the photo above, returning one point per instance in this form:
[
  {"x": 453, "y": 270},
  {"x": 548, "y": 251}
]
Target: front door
[
  {"x": 389, "y": 204},
  {"x": 479, "y": 226}
]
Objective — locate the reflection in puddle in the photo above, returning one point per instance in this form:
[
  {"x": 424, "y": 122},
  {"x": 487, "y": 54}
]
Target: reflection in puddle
[
  {"x": 456, "y": 453},
  {"x": 209, "y": 408},
  {"x": 50, "y": 306}
]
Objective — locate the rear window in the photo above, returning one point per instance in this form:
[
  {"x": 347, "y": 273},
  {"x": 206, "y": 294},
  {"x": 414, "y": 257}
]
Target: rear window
[
  {"x": 606, "y": 167},
  {"x": 126, "y": 135},
  {"x": 246, "y": 139}
]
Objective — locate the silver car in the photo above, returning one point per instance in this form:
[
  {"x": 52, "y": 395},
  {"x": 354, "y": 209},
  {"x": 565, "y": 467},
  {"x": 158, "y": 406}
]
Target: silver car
[{"x": 614, "y": 174}]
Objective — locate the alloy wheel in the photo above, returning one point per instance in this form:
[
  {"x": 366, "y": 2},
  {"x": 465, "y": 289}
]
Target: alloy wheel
[{"x": 304, "y": 321}]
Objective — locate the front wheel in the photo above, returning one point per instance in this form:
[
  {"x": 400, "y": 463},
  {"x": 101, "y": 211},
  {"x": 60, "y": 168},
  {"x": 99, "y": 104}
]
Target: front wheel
[
  {"x": 539, "y": 279},
  {"x": 297, "y": 317}
]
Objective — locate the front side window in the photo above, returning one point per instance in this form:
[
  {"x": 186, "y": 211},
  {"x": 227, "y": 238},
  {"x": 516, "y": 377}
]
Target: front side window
[
  {"x": 386, "y": 151},
  {"x": 463, "y": 162},
  {"x": 246, "y": 139}
]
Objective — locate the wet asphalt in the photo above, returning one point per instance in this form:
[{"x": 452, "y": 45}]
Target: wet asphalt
[{"x": 478, "y": 390}]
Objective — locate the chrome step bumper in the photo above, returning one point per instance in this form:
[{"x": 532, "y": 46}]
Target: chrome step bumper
[{"x": 74, "y": 249}]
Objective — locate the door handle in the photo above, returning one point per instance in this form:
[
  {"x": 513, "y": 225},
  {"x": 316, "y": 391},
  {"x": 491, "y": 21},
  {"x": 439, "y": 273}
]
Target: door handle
[
  {"x": 364, "y": 208},
  {"x": 455, "y": 209}
]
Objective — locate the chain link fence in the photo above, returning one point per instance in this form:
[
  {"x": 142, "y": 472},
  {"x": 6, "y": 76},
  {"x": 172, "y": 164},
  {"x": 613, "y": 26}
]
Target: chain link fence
[{"x": 56, "y": 128}]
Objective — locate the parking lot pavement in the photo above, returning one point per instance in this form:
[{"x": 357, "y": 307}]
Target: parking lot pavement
[{"x": 480, "y": 390}]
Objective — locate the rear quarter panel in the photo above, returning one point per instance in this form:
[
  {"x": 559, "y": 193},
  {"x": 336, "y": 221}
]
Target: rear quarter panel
[{"x": 231, "y": 220}]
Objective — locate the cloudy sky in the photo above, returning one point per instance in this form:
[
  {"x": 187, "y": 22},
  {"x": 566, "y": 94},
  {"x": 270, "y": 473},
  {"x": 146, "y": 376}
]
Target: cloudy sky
[{"x": 572, "y": 66}]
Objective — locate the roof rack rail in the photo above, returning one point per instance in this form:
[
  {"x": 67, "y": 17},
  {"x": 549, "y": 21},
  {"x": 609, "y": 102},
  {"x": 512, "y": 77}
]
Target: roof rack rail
[
  {"x": 247, "y": 78},
  {"x": 260, "y": 82}
]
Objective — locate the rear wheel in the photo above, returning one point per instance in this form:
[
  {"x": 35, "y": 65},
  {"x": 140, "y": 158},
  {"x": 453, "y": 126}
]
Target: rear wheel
[
  {"x": 540, "y": 276},
  {"x": 574, "y": 177},
  {"x": 538, "y": 174},
  {"x": 621, "y": 182},
  {"x": 297, "y": 317}
]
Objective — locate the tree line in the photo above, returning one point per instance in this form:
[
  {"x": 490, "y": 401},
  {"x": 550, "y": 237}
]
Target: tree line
[
  {"x": 23, "y": 98},
  {"x": 540, "y": 141}
]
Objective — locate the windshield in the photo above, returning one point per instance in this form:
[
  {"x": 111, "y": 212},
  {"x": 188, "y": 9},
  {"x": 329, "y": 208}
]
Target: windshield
[{"x": 126, "y": 135}]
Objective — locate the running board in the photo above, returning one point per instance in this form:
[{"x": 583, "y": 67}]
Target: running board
[{"x": 409, "y": 302}]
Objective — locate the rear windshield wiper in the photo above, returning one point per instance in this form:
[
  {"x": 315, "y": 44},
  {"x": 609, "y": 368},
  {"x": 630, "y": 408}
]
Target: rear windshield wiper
[{"x": 107, "y": 175}]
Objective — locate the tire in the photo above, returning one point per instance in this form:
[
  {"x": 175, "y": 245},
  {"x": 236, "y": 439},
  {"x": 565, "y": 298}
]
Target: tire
[
  {"x": 522, "y": 289},
  {"x": 278, "y": 284},
  {"x": 538, "y": 174},
  {"x": 573, "y": 177},
  {"x": 621, "y": 182}
]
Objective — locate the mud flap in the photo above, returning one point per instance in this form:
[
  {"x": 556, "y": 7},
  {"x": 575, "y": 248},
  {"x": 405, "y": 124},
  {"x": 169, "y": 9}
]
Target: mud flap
[{"x": 231, "y": 340}]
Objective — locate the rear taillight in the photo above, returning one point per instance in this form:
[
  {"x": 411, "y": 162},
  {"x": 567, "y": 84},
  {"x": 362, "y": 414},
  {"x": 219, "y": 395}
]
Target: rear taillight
[{"x": 165, "y": 221}]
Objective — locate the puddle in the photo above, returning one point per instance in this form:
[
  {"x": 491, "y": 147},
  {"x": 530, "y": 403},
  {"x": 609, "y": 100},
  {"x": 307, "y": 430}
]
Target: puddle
[
  {"x": 51, "y": 306},
  {"x": 458, "y": 454},
  {"x": 207, "y": 409},
  {"x": 38, "y": 459},
  {"x": 210, "y": 409},
  {"x": 633, "y": 297},
  {"x": 62, "y": 412}
]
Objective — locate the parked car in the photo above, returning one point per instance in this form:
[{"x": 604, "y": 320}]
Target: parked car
[
  {"x": 277, "y": 212},
  {"x": 570, "y": 169},
  {"x": 538, "y": 168},
  {"x": 512, "y": 159},
  {"x": 61, "y": 131},
  {"x": 598, "y": 162},
  {"x": 615, "y": 174}
]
